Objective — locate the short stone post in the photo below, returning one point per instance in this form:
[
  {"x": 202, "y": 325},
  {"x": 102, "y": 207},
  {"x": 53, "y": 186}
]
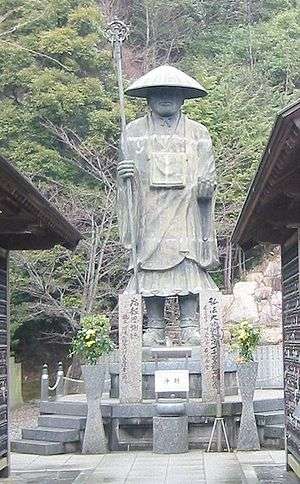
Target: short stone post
[
  {"x": 130, "y": 348},
  {"x": 212, "y": 369},
  {"x": 170, "y": 434},
  {"x": 15, "y": 379},
  {"x": 60, "y": 381},
  {"x": 45, "y": 384}
]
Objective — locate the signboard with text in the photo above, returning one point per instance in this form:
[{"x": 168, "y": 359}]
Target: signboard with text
[{"x": 171, "y": 381}]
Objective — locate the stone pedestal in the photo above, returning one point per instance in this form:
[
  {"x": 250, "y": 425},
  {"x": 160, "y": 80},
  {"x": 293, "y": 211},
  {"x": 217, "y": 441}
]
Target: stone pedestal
[
  {"x": 130, "y": 348},
  {"x": 194, "y": 365},
  {"x": 94, "y": 441},
  {"x": 211, "y": 345},
  {"x": 170, "y": 435},
  {"x": 248, "y": 435}
]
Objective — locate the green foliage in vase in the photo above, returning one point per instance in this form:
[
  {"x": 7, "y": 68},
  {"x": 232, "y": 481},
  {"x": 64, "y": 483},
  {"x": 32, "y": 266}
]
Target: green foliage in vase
[
  {"x": 244, "y": 340},
  {"x": 92, "y": 340}
]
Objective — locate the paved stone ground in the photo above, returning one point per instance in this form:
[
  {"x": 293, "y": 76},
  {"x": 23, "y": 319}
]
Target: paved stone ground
[
  {"x": 263, "y": 467},
  {"x": 24, "y": 416}
]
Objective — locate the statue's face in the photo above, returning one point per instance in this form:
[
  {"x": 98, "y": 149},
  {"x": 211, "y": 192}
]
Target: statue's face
[{"x": 165, "y": 101}]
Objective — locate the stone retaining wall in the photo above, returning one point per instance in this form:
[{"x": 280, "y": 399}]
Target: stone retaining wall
[{"x": 258, "y": 299}]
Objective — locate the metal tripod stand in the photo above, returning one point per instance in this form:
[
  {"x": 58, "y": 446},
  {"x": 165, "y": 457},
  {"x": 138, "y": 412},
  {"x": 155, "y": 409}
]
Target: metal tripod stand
[{"x": 219, "y": 426}]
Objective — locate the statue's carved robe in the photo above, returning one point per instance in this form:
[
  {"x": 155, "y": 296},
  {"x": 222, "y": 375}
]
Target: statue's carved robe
[{"x": 175, "y": 233}]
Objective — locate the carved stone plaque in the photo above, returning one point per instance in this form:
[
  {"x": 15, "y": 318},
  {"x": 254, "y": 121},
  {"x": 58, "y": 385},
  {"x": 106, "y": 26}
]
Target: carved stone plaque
[
  {"x": 212, "y": 370},
  {"x": 130, "y": 348}
]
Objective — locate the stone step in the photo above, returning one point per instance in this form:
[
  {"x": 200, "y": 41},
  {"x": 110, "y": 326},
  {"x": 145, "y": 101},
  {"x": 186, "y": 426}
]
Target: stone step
[
  {"x": 51, "y": 434},
  {"x": 274, "y": 431},
  {"x": 268, "y": 404},
  {"x": 62, "y": 421},
  {"x": 37, "y": 447},
  {"x": 269, "y": 418},
  {"x": 78, "y": 409},
  {"x": 63, "y": 407}
]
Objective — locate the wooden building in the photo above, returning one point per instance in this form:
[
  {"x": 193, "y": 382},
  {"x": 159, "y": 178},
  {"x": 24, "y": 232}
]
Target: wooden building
[
  {"x": 271, "y": 213},
  {"x": 27, "y": 221}
]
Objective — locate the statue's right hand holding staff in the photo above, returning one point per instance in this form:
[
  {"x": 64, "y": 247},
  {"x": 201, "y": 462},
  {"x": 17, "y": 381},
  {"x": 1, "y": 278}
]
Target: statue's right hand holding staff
[{"x": 126, "y": 169}]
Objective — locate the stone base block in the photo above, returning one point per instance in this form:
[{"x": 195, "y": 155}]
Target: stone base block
[
  {"x": 231, "y": 387},
  {"x": 170, "y": 435}
]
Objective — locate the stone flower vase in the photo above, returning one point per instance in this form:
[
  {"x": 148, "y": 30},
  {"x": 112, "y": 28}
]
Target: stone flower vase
[
  {"x": 94, "y": 441},
  {"x": 248, "y": 436}
]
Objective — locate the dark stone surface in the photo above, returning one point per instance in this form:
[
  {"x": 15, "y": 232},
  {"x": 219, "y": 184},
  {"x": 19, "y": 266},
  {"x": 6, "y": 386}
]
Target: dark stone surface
[
  {"x": 43, "y": 476},
  {"x": 194, "y": 379},
  {"x": 37, "y": 447},
  {"x": 169, "y": 408},
  {"x": 62, "y": 421},
  {"x": 170, "y": 352},
  {"x": 194, "y": 408},
  {"x": 72, "y": 408},
  {"x": 193, "y": 364},
  {"x": 129, "y": 426},
  {"x": 51, "y": 434},
  {"x": 275, "y": 475}
]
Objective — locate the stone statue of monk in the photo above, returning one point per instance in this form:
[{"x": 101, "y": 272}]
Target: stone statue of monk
[{"x": 170, "y": 160}]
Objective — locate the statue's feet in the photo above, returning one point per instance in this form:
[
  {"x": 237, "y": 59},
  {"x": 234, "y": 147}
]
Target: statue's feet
[
  {"x": 154, "y": 337},
  {"x": 190, "y": 336}
]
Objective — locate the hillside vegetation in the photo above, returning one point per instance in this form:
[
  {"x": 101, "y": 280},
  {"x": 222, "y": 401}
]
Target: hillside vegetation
[{"x": 59, "y": 124}]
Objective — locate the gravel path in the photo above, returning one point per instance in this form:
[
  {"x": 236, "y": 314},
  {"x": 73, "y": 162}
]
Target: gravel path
[{"x": 24, "y": 416}]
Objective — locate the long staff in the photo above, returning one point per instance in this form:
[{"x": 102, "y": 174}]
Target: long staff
[{"x": 117, "y": 32}]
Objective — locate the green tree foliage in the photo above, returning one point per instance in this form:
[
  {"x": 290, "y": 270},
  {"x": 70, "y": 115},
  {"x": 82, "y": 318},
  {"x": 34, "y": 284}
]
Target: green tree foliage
[
  {"x": 55, "y": 66},
  {"x": 59, "y": 120},
  {"x": 244, "y": 53},
  {"x": 251, "y": 69}
]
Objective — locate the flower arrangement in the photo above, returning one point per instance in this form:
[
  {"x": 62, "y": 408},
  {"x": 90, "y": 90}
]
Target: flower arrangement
[
  {"x": 244, "y": 338},
  {"x": 92, "y": 340}
]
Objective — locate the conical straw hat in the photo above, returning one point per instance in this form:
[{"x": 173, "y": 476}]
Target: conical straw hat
[{"x": 166, "y": 76}]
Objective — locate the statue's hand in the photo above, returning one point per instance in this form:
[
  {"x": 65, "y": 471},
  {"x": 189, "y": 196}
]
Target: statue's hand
[
  {"x": 126, "y": 169},
  {"x": 206, "y": 188}
]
